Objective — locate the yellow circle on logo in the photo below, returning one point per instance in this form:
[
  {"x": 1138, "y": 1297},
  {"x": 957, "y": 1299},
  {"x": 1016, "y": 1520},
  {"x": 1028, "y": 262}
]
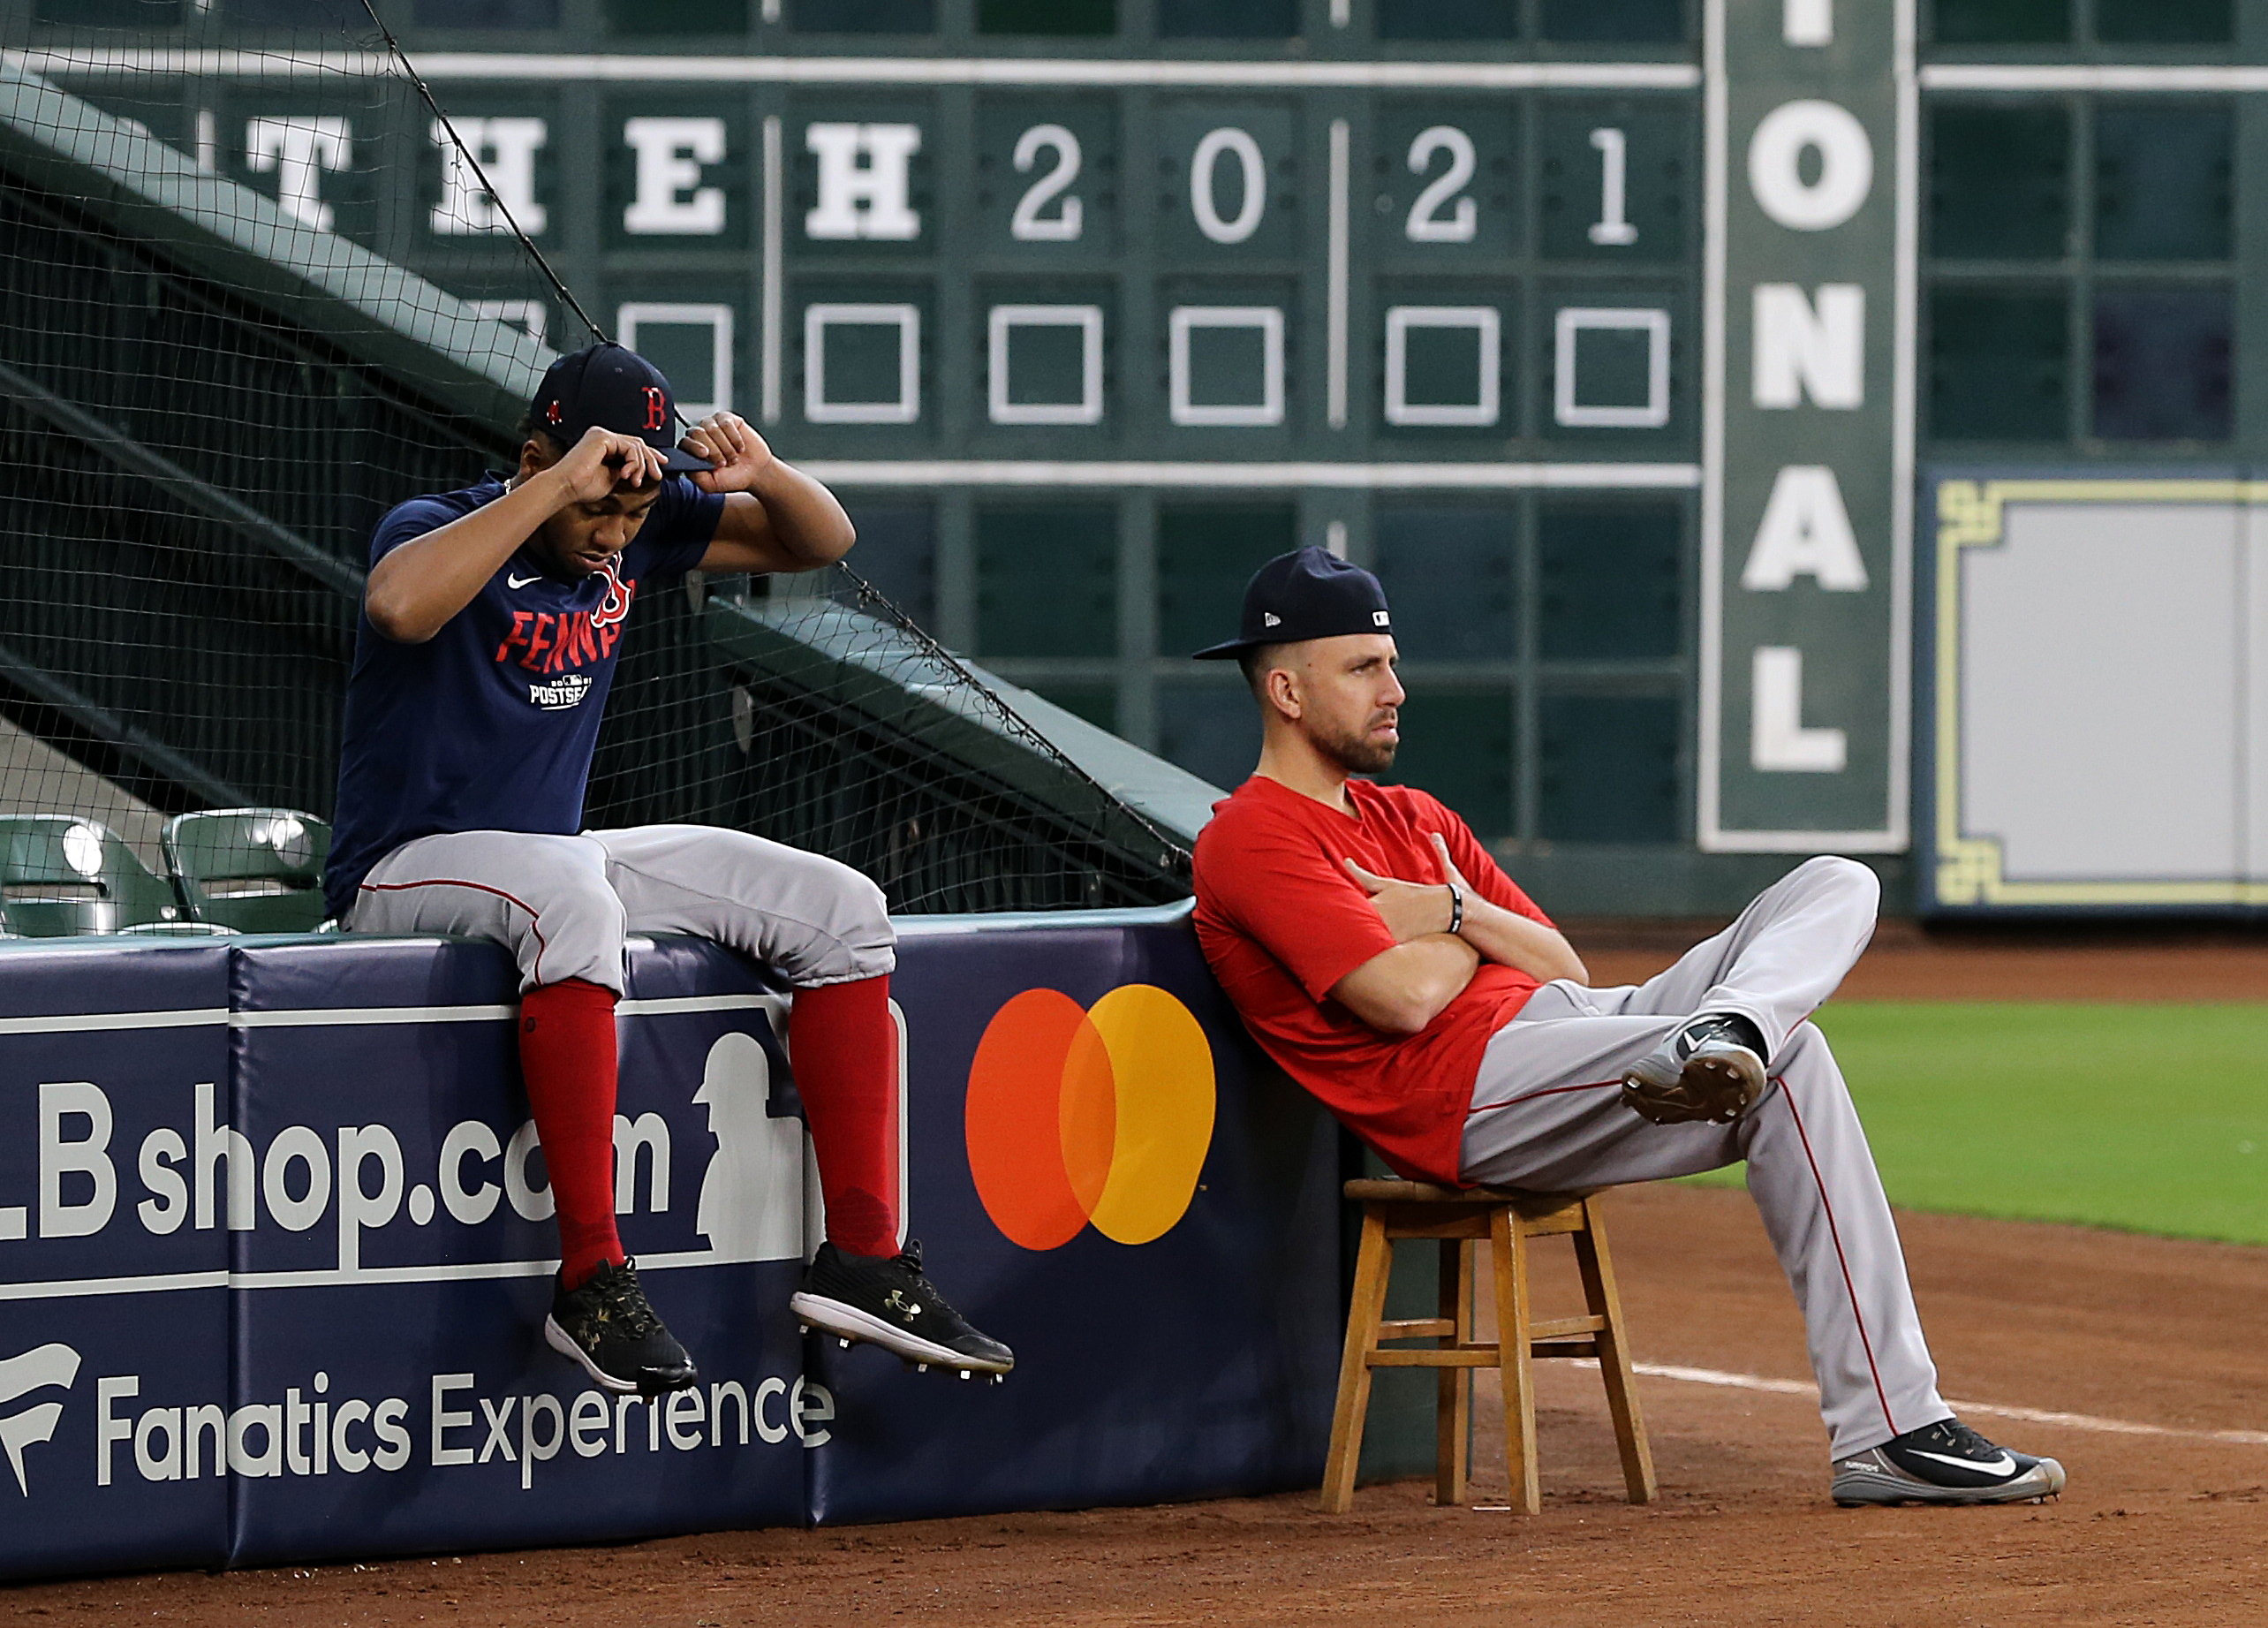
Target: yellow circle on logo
[{"x": 1162, "y": 1068}]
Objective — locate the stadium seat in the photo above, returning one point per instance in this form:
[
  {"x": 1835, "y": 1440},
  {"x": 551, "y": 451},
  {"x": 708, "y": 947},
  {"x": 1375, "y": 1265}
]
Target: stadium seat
[
  {"x": 1394, "y": 1210},
  {"x": 60, "y": 875},
  {"x": 254, "y": 870}
]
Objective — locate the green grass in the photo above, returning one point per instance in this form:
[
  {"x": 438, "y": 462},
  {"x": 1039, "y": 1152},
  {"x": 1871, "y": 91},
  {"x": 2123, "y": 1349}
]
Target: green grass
[{"x": 2154, "y": 1118}]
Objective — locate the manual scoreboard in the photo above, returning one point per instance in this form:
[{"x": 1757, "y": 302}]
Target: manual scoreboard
[{"x": 1603, "y": 331}]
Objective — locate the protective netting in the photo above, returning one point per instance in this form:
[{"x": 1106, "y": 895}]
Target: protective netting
[{"x": 215, "y": 379}]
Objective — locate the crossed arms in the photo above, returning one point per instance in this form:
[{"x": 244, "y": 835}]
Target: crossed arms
[{"x": 1399, "y": 991}]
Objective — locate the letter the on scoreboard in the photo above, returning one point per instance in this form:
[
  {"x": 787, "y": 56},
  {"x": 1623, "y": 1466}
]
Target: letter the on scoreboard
[{"x": 1807, "y": 484}]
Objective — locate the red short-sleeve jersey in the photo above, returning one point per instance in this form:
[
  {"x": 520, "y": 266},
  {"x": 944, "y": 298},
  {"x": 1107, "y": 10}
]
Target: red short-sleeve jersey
[{"x": 1281, "y": 922}]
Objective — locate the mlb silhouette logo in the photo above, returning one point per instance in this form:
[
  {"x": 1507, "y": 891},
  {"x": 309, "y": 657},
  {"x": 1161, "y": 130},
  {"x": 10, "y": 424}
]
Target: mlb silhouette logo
[{"x": 760, "y": 1197}]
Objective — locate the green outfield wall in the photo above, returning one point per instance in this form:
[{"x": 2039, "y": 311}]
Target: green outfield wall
[{"x": 1618, "y": 337}]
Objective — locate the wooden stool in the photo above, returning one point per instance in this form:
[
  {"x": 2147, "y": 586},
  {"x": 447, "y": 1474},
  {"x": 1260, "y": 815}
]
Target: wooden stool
[{"x": 1406, "y": 1209}]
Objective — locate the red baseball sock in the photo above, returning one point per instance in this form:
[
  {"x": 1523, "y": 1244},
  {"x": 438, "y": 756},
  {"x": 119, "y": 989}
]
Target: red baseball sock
[
  {"x": 567, "y": 1057},
  {"x": 843, "y": 1047}
]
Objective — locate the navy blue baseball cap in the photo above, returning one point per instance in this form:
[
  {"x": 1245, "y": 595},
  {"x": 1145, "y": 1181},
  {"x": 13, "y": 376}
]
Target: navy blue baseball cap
[
  {"x": 1308, "y": 594},
  {"x": 613, "y": 389}
]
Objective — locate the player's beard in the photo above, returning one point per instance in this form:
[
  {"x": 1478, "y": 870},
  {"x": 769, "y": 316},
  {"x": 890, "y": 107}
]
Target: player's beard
[{"x": 1357, "y": 751}]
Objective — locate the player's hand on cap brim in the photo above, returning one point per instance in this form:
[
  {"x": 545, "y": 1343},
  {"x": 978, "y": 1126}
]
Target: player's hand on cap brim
[{"x": 729, "y": 442}]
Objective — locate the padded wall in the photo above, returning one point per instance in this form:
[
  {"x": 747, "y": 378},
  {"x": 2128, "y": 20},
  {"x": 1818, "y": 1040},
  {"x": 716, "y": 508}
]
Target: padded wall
[{"x": 336, "y": 1320}]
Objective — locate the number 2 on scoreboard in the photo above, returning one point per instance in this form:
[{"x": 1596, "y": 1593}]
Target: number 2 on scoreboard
[
  {"x": 1426, "y": 223},
  {"x": 1028, "y": 224}
]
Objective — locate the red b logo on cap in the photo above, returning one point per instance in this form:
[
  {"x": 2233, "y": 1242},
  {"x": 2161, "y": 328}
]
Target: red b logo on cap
[{"x": 654, "y": 418}]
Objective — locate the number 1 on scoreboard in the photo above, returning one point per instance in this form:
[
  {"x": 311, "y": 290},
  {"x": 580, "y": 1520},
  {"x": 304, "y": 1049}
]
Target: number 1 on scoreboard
[{"x": 1613, "y": 228}]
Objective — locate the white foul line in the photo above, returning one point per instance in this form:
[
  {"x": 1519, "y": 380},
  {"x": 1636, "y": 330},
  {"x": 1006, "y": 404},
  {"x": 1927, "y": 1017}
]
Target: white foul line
[{"x": 2029, "y": 1415}]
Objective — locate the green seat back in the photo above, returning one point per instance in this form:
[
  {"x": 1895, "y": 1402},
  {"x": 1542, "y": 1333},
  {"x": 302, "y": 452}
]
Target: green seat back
[
  {"x": 62, "y": 875},
  {"x": 258, "y": 870}
]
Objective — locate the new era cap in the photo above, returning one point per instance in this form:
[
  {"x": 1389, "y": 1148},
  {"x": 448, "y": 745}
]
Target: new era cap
[
  {"x": 615, "y": 389},
  {"x": 1309, "y": 593}
]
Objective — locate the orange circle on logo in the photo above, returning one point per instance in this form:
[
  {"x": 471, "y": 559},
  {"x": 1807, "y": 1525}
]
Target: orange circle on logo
[{"x": 1075, "y": 1117}]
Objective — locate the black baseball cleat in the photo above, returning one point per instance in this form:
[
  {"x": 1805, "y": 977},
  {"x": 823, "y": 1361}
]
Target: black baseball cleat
[
  {"x": 1711, "y": 1069},
  {"x": 885, "y": 1300},
  {"x": 1943, "y": 1462},
  {"x": 609, "y": 1327}
]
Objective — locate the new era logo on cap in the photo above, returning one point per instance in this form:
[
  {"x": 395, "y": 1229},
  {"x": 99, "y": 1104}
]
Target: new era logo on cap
[{"x": 1307, "y": 594}]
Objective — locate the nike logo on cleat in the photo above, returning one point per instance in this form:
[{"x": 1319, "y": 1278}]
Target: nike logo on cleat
[{"x": 2003, "y": 1465}]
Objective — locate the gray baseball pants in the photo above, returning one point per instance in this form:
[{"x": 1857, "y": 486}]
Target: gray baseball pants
[
  {"x": 1547, "y": 1115},
  {"x": 562, "y": 905}
]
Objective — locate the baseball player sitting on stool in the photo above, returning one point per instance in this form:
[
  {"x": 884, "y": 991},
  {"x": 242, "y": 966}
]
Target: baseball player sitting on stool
[
  {"x": 490, "y": 630},
  {"x": 1379, "y": 955}
]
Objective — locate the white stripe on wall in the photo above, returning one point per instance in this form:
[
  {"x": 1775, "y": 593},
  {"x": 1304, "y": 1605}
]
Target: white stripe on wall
[
  {"x": 980, "y": 472},
  {"x": 559, "y": 68},
  {"x": 2097, "y": 76},
  {"x": 331, "y": 1277},
  {"x": 342, "y": 1017},
  {"x": 197, "y": 1018},
  {"x": 101, "y": 1022}
]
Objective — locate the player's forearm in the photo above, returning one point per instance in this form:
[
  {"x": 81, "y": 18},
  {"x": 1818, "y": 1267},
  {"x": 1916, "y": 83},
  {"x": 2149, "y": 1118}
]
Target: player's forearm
[
  {"x": 1511, "y": 939},
  {"x": 415, "y": 589},
  {"x": 1399, "y": 991},
  {"x": 809, "y": 527}
]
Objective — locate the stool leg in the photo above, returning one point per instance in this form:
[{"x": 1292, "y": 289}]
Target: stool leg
[
  {"x": 1452, "y": 1401},
  {"x": 1372, "y": 1263},
  {"x": 1514, "y": 1354},
  {"x": 1605, "y": 1302}
]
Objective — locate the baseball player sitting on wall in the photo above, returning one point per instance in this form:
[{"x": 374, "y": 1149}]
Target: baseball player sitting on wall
[
  {"x": 1380, "y": 955},
  {"x": 490, "y": 630}
]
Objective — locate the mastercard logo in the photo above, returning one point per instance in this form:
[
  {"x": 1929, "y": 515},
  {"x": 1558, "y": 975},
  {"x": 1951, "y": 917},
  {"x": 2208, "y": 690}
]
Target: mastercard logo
[{"x": 1078, "y": 1115}]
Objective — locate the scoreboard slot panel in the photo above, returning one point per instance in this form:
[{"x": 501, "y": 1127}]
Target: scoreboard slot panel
[
  {"x": 1451, "y": 571},
  {"x": 1044, "y": 364},
  {"x": 1444, "y": 366},
  {"x": 1608, "y": 769},
  {"x": 852, "y": 16},
  {"x": 1458, "y": 744},
  {"x": 961, "y": 202},
  {"x": 1048, "y": 581},
  {"x": 692, "y": 343},
  {"x": 1056, "y": 18},
  {"x": 862, "y": 359}
]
